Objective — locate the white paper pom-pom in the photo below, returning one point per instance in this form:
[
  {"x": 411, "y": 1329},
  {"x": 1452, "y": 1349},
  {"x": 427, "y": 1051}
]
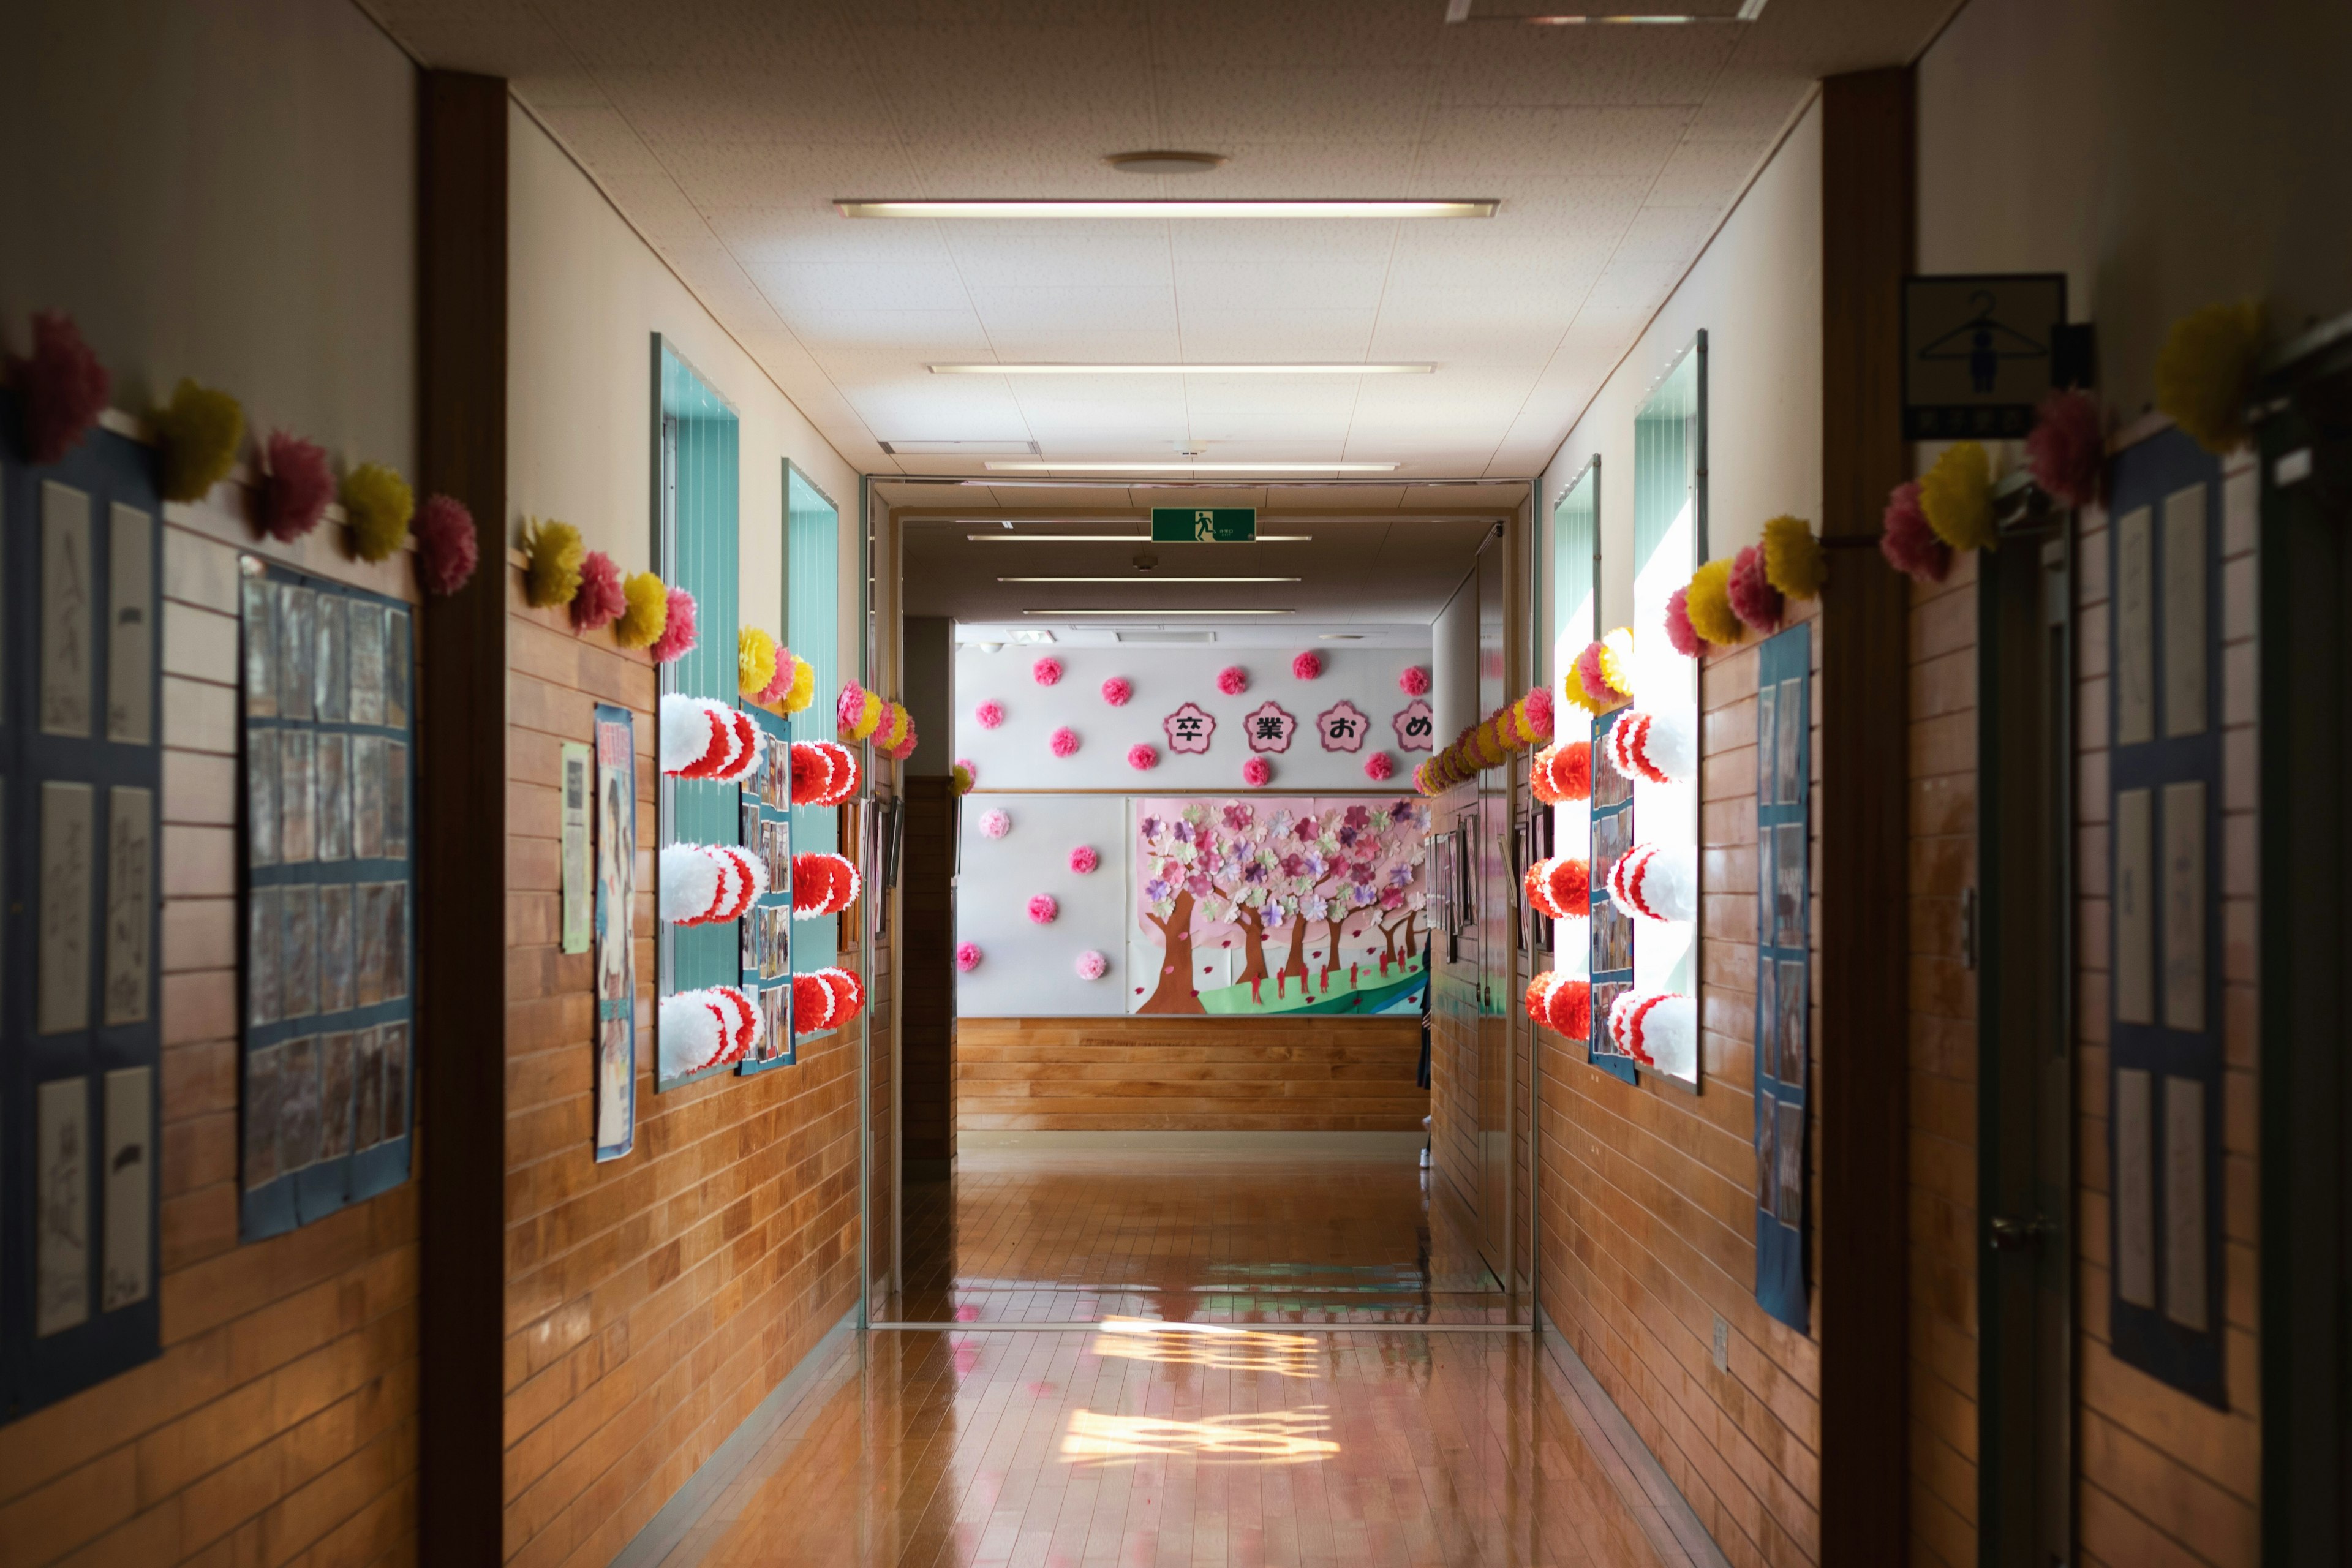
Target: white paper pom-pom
[
  {"x": 692, "y": 1031},
  {"x": 745, "y": 757},
  {"x": 751, "y": 879},
  {"x": 1656, "y": 882},
  {"x": 689, "y": 883},
  {"x": 1670, "y": 1036},
  {"x": 685, "y": 733},
  {"x": 1670, "y": 749}
]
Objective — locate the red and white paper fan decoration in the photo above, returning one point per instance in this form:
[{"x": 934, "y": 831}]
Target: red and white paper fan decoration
[
  {"x": 705, "y": 884},
  {"x": 1656, "y": 747},
  {"x": 848, "y": 995},
  {"x": 704, "y": 740},
  {"x": 1656, "y": 881},
  {"x": 1655, "y": 1028}
]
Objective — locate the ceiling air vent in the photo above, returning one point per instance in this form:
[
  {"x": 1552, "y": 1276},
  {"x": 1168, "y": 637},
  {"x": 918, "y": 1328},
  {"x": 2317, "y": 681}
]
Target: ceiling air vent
[{"x": 1165, "y": 636}]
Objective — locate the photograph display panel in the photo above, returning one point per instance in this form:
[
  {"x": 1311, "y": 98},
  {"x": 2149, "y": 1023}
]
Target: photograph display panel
[
  {"x": 327, "y": 877},
  {"x": 1783, "y": 1052},
  {"x": 1610, "y": 929},
  {"x": 767, "y": 937}
]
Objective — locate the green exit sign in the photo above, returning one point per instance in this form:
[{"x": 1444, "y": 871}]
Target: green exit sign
[{"x": 1205, "y": 524}]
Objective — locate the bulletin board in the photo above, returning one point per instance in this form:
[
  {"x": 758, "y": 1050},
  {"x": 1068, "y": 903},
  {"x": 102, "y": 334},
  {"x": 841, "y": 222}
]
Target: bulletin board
[
  {"x": 767, "y": 926},
  {"x": 328, "y": 880},
  {"x": 1610, "y": 929},
  {"x": 81, "y": 785},
  {"x": 1783, "y": 1054},
  {"x": 2164, "y": 1006}
]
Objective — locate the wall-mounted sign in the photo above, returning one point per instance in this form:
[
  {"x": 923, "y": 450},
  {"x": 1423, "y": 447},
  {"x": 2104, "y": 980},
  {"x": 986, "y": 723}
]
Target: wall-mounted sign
[
  {"x": 1204, "y": 525},
  {"x": 1979, "y": 351}
]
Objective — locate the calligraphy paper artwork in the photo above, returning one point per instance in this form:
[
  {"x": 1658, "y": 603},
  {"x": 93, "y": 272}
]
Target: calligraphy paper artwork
[
  {"x": 1188, "y": 728},
  {"x": 1342, "y": 726},
  {"x": 1269, "y": 726},
  {"x": 1416, "y": 728}
]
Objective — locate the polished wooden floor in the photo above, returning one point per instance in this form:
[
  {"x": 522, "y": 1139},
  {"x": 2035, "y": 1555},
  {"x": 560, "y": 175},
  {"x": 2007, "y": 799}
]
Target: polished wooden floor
[{"x": 1192, "y": 1427}]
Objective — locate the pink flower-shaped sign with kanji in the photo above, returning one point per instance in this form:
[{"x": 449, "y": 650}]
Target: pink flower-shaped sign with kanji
[
  {"x": 1416, "y": 730},
  {"x": 1269, "y": 729},
  {"x": 1342, "y": 726},
  {"x": 1189, "y": 728}
]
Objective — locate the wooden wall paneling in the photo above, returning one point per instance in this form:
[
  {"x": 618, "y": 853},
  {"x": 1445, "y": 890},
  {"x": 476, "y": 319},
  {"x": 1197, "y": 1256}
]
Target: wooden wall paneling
[
  {"x": 1867, "y": 170},
  {"x": 461, "y": 816}
]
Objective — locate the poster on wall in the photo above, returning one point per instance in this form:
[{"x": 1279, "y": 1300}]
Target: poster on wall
[
  {"x": 766, "y": 936},
  {"x": 1783, "y": 1030},
  {"x": 1609, "y": 929},
  {"x": 617, "y": 965},
  {"x": 1272, "y": 906}
]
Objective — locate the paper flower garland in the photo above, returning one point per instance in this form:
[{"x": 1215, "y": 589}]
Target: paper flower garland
[
  {"x": 857, "y": 711},
  {"x": 1754, "y": 601},
  {"x": 676, "y": 638},
  {"x": 1656, "y": 882},
  {"x": 1563, "y": 1003},
  {"x": 968, "y": 956},
  {"x": 1794, "y": 561},
  {"x": 1681, "y": 636},
  {"x": 1142, "y": 758},
  {"x": 1092, "y": 966},
  {"x": 1587, "y": 688},
  {"x": 1533, "y": 716},
  {"x": 1064, "y": 742},
  {"x": 707, "y": 884},
  {"x": 1083, "y": 859},
  {"x": 598, "y": 598},
  {"x": 701, "y": 739},
  {"x": 1046, "y": 671},
  {"x": 1413, "y": 681},
  {"x": 994, "y": 823},
  {"x": 755, "y": 662},
  {"x": 1957, "y": 496},
  {"x": 1658, "y": 747},
  {"x": 1044, "y": 910},
  {"x": 378, "y": 503},
  {"x": 300, "y": 485},
  {"x": 895, "y": 738},
  {"x": 1117, "y": 690},
  {"x": 1378, "y": 768},
  {"x": 782, "y": 681},
  {"x": 64, "y": 385},
  {"x": 640, "y": 625},
  {"x": 2205, "y": 373},
  {"x": 1233, "y": 680},
  {"x": 1562, "y": 772},
  {"x": 2067, "y": 450},
  {"x": 989, "y": 714},
  {"x": 447, "y": 550},
  {"x": 552, "y": 554},
  {"x": 199, "y": 431},
  {"x": 1257, "y": 773},
  {"x": 1909, "y": 545},
  {"x": 1307, "y": 666}
]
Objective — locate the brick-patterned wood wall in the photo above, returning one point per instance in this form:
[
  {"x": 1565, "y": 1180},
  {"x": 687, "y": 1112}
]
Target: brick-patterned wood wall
[
  {"x": 652, "y": 1302},
  {"x": 1102, "y": 1074},
  {"x": 279, "y": 1424},
  {"x": 1648, "y": 1200}
]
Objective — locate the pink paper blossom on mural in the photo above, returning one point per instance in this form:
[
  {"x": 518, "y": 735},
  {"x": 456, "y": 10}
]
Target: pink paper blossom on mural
[
  {"x": 1083, "y": 859},
  {"x": 1189, "y": 728},
  {"x": 1117, "y": 690},
  {"x": 1233, "y": 680},
  {"x": 1269, "y": 726},
  {"x": 1064, "y": 742},
  {"x": 1413, "y": 681},
  {"x": 1343, "y": 727},
  {"x": 1046, "y": 670},
  {"x": 989, "y": 714},
  {"x": 1257, "y": 773},
  {"x": 1416, "y": 728}
]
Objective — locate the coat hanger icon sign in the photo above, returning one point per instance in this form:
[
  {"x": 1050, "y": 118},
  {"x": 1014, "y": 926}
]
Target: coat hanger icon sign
[{"x": 1983, "y": 343}]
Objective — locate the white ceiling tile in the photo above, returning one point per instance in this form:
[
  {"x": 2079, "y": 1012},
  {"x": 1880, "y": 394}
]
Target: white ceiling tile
[{"x": 1131, "y": 308}]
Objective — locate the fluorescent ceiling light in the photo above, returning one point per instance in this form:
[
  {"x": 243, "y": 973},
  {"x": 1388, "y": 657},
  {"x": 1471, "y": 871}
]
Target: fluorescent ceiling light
[
  {"x": 854, "y": 208},
  {"x": 1189, "y": 465},
  {"x": 1145, "y": 579},
  {"x": 1158, "y": 614},
  {"x": 1421, "y": 367},
  {"x": 1120, "y": 538}
]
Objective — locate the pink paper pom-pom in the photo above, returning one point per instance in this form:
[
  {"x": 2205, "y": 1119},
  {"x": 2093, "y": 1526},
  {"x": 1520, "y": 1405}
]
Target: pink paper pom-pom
[
  {"x": 1908, "y": 541},
  {"x": 1083, "y": 859},
  {"x": 1257, "y": 773},
  {"x": 1378, "y": 768},
  {"x": 301, "y": 483},
  {"x": 1413, "y": 681},
  {"x": 600, "y": 600},
  {"x": 1092, "y": 966},
  {"x": 968, "y": 956},
  {"x": 989, "y": 714},
  {"x": 1141, "y": 757},
  {"x": 1063, "y": 740},
  {"x": 1679, "y": 630},
  {"x": 446, "y": 548},
  {"x": 970, "y": 769},
  {"x": 64, "y": 387},
  {"x": 1753, "y": 599},
  {"x": 1588, "y": 671},
  {"x": 676, "y": 639},
  {"x": 2067, "y": 450},
  {"x": 1539, "y": 713},
  {"x": 1044, "y": 910},
  {"x": 1307, "y": 666},
  {"x": 1117, "y": 690},
  {"x": 1046, "y": 670},
  {"x": 1233, "y": 680},
  {"x": 995, "y": 824}
]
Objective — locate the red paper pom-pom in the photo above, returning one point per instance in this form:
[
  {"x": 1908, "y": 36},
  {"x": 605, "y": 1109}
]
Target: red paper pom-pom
[
  {"x": 849, "y": 993},
  {"x": 844, "y": 773},
  {"x": 814, "y": 1002},
  {"x": 1567, "y": 886},
  {"x": 811, "y": 772},
  {"x": 1378, "y": 768},
  {"x": 1307, "y": 666},
  {"x": 2067, "y": 450},
  {"x": 1233, "y": 680},
  {"x": 1754, "y": 599},
  {"x": 1569, "y": 1008},
  {"x": 1908, "y": 541},
  {"x": 64, "y": 385},
  {"x": 600, "y": 600},
  {"x": 812, "y": 884},
  {"x": 1571, "y": 770},
  {"x": 1679, "y": 630},
  {"x": 676, "y": 639},
  {"x": 447, "y": 550},
  {"x": 1257, "y": 773},
  {"x": 1537, "y": 896},
  {"x": 301, "y": 483},
  {"x": 1538, "y": 995}
]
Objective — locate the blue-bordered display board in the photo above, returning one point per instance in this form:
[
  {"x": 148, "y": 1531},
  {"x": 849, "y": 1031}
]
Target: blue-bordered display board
[
  {"x": 2165, "y": 1287},
  {"x": 327, "y": 851},
  {"x": 1611, "y": 929},
  {"x": 1783, "y": 1053},
  {"x": 767, "y": 933},
  {"x": 81, "y": 785}
]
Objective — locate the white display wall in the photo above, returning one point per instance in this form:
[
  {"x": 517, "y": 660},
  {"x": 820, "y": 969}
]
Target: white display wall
[{"x": 1027, "y": 970}]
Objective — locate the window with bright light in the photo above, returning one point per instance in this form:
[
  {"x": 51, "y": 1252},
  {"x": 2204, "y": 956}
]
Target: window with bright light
[{"x": 1572, "y": 587}]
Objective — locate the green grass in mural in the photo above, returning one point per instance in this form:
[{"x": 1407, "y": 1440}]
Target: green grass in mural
[{"x": 1332, "y": 993}]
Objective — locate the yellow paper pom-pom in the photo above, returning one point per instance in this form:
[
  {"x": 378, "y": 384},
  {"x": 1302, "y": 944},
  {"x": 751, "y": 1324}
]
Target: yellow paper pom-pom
[
  {"x": 552, "y": 552},
  {"x": 1957, "y": 496},
  {"x": 2205, "y": 373},
  {"x": 1571, "y": 686},
  {"x": 1617, "y": 659},
  {"x": 894, "y": 731},
  {"x": 1708, "y": 603},
  {"x": 200, "y": 432},
  {"x": 379, "y": 504},
  {"x": 803, "y": 686},
  {"x": 755, "y": 662},
  {"x": 641, "y": 624},
  {"x": 961, "y": 777},
  {"x": 1793, "y": 560},
  {"x": 869, "y": 715},
  {"x": 1521, "y": 725}
]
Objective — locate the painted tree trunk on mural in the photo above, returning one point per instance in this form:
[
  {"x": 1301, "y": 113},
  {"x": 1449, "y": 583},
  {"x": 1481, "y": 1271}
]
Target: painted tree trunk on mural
[
  {"x": 1293, "y": 967},
  {"x": 1253, "y": 928},
  {"x": 1175, "y": 993}
]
